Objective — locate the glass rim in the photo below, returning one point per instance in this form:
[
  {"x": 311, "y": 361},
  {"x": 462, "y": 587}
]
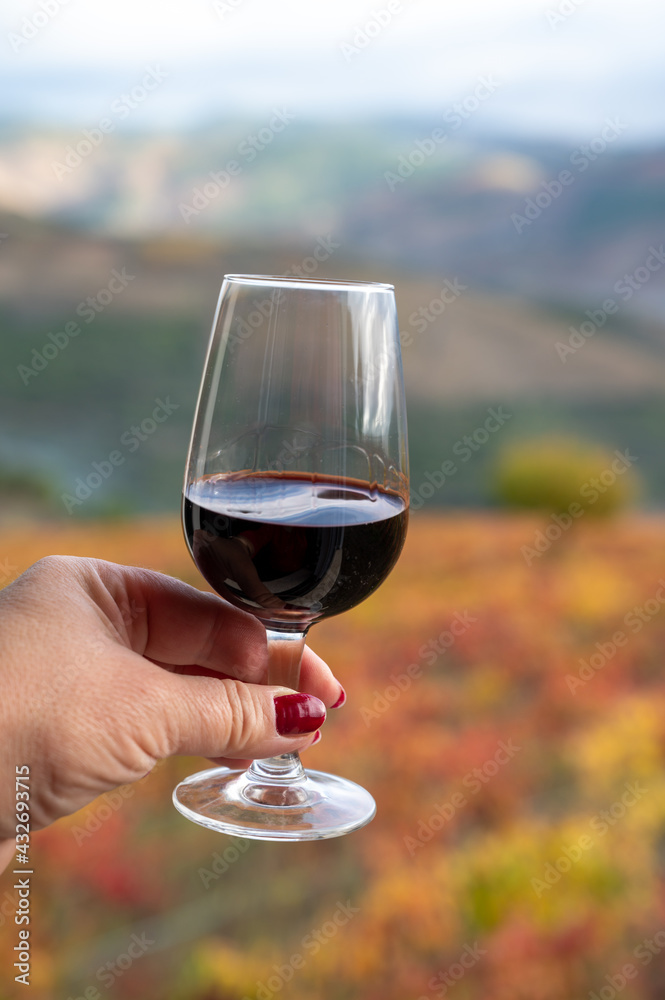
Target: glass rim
[{"x": 285, "y": 279}]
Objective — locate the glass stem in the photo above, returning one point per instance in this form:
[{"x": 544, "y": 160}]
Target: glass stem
[{"x": 284, "y": 655}]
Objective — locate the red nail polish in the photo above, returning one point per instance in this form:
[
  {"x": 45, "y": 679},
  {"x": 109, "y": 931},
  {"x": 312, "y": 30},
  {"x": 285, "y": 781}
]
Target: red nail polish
[
  {"x": 341, "y": 700},
  {"x": 317, "y": 737},
  {"x": 298, "y": 713}
]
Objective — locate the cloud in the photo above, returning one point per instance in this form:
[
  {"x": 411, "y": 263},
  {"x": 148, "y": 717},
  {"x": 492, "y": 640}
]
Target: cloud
[{"x": 229, "y": 57}]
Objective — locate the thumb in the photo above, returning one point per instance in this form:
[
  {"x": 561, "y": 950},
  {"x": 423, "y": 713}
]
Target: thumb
[{"x": 222, "y": 718}]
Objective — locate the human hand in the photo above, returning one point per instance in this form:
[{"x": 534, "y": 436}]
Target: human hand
[
  {"x": 106, "y": 669},
  {"x": 219, "y": 558}
]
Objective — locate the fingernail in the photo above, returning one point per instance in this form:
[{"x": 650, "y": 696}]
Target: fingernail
[
  {"x": 341, "y": 700},
  {"x": 298, "y": 713},
  {"x": 317, "y": 737}
]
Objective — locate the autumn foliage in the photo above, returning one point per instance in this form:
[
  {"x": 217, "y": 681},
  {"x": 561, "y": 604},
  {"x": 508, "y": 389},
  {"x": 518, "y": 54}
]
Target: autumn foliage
[{"x": 509, "y": 717}]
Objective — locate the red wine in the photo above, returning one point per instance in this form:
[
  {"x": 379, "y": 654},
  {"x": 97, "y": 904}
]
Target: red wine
[{"x": 293, "y": 549}]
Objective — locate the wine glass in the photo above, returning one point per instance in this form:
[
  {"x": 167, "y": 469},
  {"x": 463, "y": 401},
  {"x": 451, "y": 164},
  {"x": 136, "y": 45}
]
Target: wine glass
[{"x": 295, "y": 506}]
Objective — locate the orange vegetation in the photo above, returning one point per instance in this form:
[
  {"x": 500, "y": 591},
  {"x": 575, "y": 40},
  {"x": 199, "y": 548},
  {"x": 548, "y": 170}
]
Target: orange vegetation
[{"x": 515, "y": 748}]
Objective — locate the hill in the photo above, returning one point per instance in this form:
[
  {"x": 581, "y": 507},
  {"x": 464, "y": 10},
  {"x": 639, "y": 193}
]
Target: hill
[
  {"x": 490, "y": 209},
  {"x": 465, "y": 349}
]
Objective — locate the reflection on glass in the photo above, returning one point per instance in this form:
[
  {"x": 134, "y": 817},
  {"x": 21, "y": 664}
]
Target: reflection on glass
[{"x": 295, "y": 506}]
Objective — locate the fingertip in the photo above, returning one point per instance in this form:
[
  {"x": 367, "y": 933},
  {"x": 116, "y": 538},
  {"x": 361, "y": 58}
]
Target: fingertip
[
  {"x": 317, "y": 678},
  {"x": 313, "y": 660},
  {"x": 297, "y": 713},
  {"x": 341, "y": 700}
]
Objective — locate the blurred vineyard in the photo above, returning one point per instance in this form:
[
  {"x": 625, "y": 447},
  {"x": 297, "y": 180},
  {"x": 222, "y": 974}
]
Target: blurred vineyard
[{"x": 510, "y": 721}]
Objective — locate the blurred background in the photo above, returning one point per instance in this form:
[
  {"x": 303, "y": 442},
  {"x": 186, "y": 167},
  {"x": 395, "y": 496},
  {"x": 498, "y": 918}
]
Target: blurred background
[{"x": 504, "y": 166}]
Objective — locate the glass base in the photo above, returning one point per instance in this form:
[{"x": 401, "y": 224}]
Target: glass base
[{"x": 315, "y": 807}]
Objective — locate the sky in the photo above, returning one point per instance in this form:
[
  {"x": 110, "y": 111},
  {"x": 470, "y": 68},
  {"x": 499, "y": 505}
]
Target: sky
[{"x": 559, "y": 67}]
